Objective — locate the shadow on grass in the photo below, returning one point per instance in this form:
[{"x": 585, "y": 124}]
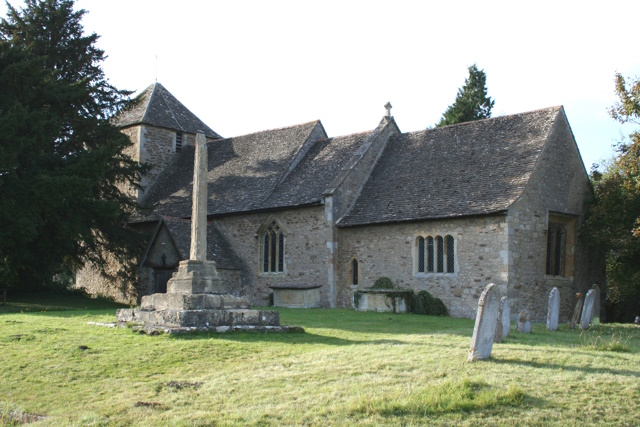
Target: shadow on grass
[{"x": 583, "y": 369}]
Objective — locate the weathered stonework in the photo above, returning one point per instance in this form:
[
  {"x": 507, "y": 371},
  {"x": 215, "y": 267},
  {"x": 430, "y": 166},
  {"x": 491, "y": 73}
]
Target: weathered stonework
[
  {"x": 306, "y": 254},
  {"x": 390, "y": 250}
]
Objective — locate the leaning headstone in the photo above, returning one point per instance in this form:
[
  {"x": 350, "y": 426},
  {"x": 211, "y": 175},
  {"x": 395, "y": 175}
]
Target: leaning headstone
[
  {"x": 523, "y": 324},
  {"x": 553, "y": 311},
  {"x": 577, "y": 311},
  {"x": 497, "y": 337},
  {"x": 585, "y": 320},
  {"x": 506, "y": 317},
  {"x": 485, "y": 327},
  {"x": 595, "y": 315}
]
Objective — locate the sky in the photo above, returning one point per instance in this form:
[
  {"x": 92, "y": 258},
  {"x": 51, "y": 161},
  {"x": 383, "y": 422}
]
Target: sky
[{"x": 246, "y": 66}]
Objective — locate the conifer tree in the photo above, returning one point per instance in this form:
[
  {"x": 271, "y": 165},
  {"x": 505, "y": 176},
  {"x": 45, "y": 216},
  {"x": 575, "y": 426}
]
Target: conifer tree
[
  {"x": 62, "y": 165},
  {"x": 472, "y": 102}
]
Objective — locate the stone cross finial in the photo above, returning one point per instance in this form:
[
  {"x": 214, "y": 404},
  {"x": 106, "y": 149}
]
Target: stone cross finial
[
  {"x": 198, "y": 250},
  {"x": 388, "y": 107}
]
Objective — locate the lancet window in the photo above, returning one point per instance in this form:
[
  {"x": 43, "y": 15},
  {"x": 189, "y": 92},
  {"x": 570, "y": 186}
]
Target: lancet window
[{"x": 273, "y": 249}]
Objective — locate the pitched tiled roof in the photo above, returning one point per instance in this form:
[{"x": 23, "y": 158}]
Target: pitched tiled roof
[
  {"x": 156, "y": 106},
  {"x": 472, "y": 168},
  {"x": 218, "y": 248},
  {"x": 308, "y": 181},
  {"x": 253, "y": 172}
]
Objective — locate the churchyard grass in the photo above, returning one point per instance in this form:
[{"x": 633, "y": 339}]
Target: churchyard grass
[{"x": 348, "y": 368}]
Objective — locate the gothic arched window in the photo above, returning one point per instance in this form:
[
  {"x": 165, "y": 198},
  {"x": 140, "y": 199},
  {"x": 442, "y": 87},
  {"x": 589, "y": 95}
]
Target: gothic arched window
[{"x": 273, "y": 249}]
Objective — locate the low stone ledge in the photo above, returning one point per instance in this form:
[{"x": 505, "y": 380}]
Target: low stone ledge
[
  {"x": 382, "y": 300},
  {"x": 299, "y": 295}
]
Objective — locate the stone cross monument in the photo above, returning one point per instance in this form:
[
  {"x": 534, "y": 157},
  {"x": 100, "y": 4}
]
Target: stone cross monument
[
  {"x": 197, "y": 298},
  {"x": 199, "y": 208}
]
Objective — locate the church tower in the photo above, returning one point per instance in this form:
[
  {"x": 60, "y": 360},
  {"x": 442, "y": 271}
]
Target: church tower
[{"x": 159, "y": 126}]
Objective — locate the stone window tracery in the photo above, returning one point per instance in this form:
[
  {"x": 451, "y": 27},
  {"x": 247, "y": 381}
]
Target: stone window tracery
[
  {"x": 273, "y": 249},
  {"x": 435, "y": 254}
]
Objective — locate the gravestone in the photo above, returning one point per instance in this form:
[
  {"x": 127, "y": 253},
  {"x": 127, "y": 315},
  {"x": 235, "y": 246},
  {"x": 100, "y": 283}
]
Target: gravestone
[
  {"x": 587, "y": 309},
  {"x": 506, "y": 317},
  {"x": 595, "y": 315},
  {"x": 485, "y": 327},
  {"x": 497, "y": 337},
  {"x": 553, "y": 310},
  {"x": 577, "y": 311},
  {"x": 523, "y": 324},
  {"x": 197, "y": 297}
]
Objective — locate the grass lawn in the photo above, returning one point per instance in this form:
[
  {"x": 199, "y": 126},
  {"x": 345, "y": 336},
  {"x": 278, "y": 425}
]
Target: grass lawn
[{"x": 348, "y": 368}]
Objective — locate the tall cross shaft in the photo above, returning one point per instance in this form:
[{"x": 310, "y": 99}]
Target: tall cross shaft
[{"x": 199, "y": 210}]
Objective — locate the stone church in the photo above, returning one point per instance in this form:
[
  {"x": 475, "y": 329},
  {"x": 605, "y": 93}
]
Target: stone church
[{"x": 447, "y": 210}]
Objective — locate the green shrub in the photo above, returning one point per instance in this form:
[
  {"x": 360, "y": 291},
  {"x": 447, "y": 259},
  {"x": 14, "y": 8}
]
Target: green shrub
[
  {"x": 424, "y": 303},
  {"x": 383, "y": 283}
]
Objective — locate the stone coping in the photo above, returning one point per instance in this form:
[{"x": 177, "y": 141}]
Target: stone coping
[
  {"x": 384, "y": 291},
  {"x": 302, "y": 286}
]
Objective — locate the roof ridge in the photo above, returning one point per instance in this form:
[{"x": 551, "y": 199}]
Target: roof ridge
[
  {"x": 272, "y": 130},
  {"x": 146, "y": 107},
  {"x": 470, "y": 122}
]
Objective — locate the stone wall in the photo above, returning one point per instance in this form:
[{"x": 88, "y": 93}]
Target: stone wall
[
  {"x": 305, "y": 254},
  {"x": 158, "y": 148},
  {"x": 91, "y": 280},
  {"x": 558, "y": 187},
  {"x": 94, "y": 283},
  {"x": 391, "y": 250}
]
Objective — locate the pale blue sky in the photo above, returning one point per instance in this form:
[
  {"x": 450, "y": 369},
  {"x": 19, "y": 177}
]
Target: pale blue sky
[{"x": 244, "y": 66}]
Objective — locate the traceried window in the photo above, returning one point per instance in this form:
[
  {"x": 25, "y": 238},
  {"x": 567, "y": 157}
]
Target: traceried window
[
  {"x": 556, "y": 242},
  {"x": 273, "y": 249},
  {"x": 435, "y": 254},
  {"x": 178, "y": 141}
]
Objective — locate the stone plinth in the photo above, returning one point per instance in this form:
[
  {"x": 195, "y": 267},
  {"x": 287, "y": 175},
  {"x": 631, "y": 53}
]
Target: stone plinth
[
  {"x": 197, "y": 299},
  {"x": 296, "y": 296},
  {"x": 382, "y": 300}
]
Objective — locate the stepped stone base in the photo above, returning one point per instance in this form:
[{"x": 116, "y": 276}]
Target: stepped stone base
[
  {"x": 196, "y": 300},
  {"x": 198, "y": 318}
]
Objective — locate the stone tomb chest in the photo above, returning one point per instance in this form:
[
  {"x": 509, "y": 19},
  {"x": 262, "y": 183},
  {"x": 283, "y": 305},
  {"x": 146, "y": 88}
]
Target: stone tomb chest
[
  {"x": 296, "y": 295},
  {"x": 382, "y": 300}
]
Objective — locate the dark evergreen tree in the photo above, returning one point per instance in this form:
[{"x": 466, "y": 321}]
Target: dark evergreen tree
[
  {"x": 62, "y": 165},
  {"x": 472, "y": 102},
  {"x": 613, "y": 219}
]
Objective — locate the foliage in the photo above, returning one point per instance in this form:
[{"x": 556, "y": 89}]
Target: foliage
[
  {"x": 612, "y": 222},
  {"x": 472, "y": 102},
  {"x": 383, "y": 283},
  {"x": 424, "y": 303},
  {"x": 62, "y": 164}
]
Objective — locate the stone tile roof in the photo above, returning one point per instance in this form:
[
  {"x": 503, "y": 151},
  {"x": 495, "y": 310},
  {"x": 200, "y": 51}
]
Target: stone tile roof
[
  {"x": 218, "y": 249},
  {"x": 472, "y": 168},
  {"x": 254, "y": 172},
  {"x": 308, "y": 181},
  {"x": 156, "y": 106}
]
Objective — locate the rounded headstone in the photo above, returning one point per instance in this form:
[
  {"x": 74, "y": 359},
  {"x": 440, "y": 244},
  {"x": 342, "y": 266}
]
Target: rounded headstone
[
  {"x": 485, "y": 327},
  {"x": 553, "y": 311},
  {"x": 506, "y": 316},
  {"x": 585, "y": 320}
]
